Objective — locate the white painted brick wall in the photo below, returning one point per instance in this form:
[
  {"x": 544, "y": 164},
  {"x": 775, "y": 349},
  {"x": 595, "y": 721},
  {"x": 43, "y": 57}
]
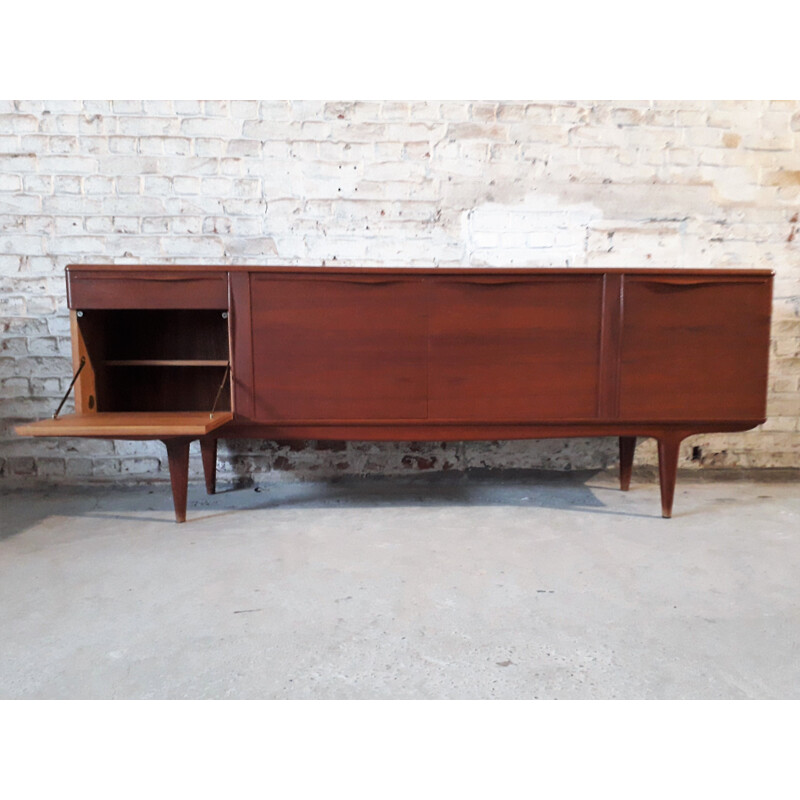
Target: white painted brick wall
[{"x": 663, "y": 183}]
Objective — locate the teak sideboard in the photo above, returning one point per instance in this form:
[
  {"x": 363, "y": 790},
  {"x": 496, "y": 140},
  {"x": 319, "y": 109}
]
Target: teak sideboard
[{"x": 179, "y": 353}]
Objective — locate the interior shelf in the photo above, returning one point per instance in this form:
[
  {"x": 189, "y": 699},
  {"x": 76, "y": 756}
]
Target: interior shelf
[{"x": 166, "y": 362}]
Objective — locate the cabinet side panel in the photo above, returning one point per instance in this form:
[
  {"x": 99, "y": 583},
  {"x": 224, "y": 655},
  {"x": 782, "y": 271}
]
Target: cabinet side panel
[
  {"x": 339, "y": 348},
  {"x": 695, "y": 350},
  {"x": 85, "y": 391},
  {"x": 241, "y": 344}
]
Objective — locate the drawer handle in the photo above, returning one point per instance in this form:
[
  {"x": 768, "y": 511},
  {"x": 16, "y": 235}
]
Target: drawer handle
[
  {"x": 503, "y": 281},
  {"x": 370, "y": 282},
  {"x": 148, "y": 278},
  {"x": 366, "y": 281},
  {"x": 679, "y": 283}
]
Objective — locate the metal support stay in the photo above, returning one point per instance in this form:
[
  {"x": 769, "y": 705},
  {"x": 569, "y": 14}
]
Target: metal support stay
[
  {"x": 69, "y": 388},
  {"x": 219, "y": 391}
]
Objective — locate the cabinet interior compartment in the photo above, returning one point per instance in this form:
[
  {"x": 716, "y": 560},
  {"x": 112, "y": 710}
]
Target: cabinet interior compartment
[{"x": 157, "y": 359}]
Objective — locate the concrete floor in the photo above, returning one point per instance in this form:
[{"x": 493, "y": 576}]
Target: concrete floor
[{"x": 437, "y": 586}]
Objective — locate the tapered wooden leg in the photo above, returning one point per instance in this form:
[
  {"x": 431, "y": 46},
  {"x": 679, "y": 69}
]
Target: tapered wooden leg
[
  {"x": 208, "y": 450},
  {"x": 668, "y": 448},
  {"x": 627, "y": 444},
  {"x": 178, "y": 455}
]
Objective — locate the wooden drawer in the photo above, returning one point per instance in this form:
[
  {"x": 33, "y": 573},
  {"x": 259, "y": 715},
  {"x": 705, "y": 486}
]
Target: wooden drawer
[{"x": 137, "y": 289}]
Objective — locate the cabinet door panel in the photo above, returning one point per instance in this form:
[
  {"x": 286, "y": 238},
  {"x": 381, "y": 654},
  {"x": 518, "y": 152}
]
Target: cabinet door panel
[
  {"x": 694, "y": 349},
  {"x": 338, "y": 348},
  {"x": 515, "y": 349}
]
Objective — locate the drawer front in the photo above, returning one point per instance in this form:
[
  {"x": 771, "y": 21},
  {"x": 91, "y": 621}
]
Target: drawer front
[{"x": 101, "y": 289}]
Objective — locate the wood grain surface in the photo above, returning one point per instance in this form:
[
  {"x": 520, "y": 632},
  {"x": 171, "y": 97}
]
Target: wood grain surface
[
  {"x": 404, "y": 354},
  {"x": 123, "y": 424},
  {"x": 514, "y": 348},
  {"x": 694, "y": 350},
  {"x": 339, "y": 348}
]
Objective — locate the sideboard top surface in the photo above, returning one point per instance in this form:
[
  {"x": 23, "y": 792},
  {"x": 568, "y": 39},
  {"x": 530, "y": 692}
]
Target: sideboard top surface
[{"x": 411, "y": 271}]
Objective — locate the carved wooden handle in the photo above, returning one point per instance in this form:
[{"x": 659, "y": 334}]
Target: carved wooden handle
[
  {"x": 501, "y": 281},
  {"x": 369, "y": 280},
  {"x": 679, "y": 283},
  {"x": 150, "y": 278}
]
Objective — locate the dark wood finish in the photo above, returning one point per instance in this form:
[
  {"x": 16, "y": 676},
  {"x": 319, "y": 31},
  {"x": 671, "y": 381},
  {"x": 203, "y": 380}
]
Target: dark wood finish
[
  {"x": 85, "y": 386},
  {"x": 241, "y": 345},
  {"x": 137, "y": 289},
  {"x": 132, "y": 352},
  {"x": 166, "y": 362},
  {"x": 171, "y": 334},
  {"x": 338, "y": 348},
  {"x": 178, "y": 457},
  {"x": 157, "y": 388},
  {"x": 610, "y": 331},
  {"x": 417, "y": 354},
  {"x": 668, "y": 449},
  {"x": 694, "y": 348},
  {"x": 503, "y": 349},
  {"x": 139, "y": 269},
  {"x": 627, "y": 446},
  {"x": 412, "y": 431},
  {"x": 208, "y": 451}
]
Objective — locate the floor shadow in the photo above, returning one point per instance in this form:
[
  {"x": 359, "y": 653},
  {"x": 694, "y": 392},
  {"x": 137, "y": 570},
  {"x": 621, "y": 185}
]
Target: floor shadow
[{"x": 561, "y": 491}]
